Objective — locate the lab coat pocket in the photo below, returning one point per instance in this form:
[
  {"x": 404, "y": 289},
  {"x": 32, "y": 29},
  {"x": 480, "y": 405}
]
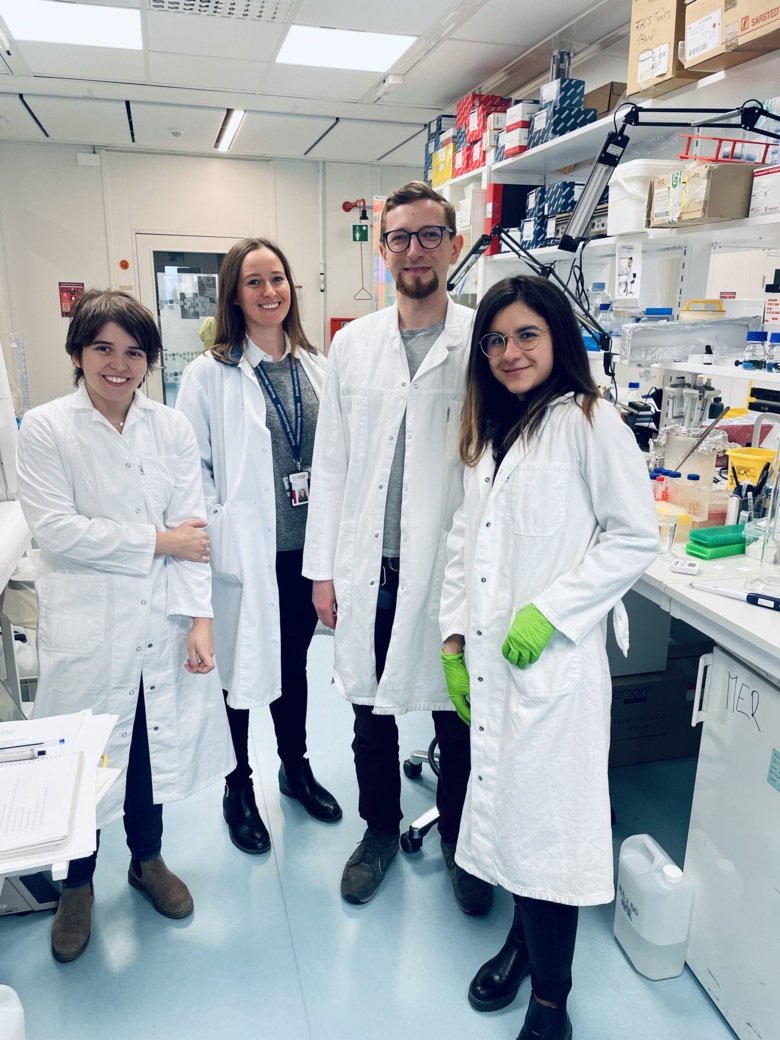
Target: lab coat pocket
[
  {"x": 555, "y": 674},
  {"x": 345, "y": 563},
  {"x": 224, "y": 557},
  {"x": 159, "y": 475},
  {"x": 537, "y": 497},
  {"x": 72, "y": 613}
]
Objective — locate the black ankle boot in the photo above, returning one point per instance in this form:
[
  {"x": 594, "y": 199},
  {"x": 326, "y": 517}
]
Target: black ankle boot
[
  {"x": 496, "y": 983},
  {"x": 298, "y": 782},
  {"x": 247, "y": 830},
  {"x": 545, "y": 1023}
]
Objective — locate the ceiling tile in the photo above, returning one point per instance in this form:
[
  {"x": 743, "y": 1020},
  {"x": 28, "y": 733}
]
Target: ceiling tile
[
  {"x": 75, "y": 62},
  {"x": 355, "y": 141},
  {"x": 409, "y": 17},
  {"x": 214, "y": 37},
  {"x": 16, "y": 123},
  {"x": 302, "y": 81},
  {"x": 519, "y": 24},
  {"x": 205, "y": 73},
  {"x": 198, "y": 126},
  {"x": 89, "y": 121},
  {"x": 266, "y": 134},
  {"x": 412, "y": 153}
]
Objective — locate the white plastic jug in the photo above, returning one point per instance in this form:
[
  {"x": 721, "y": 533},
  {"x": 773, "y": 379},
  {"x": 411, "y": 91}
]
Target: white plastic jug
[
  {"x": 11, "y": 1015},
  {"x": 652, "y": 908}
]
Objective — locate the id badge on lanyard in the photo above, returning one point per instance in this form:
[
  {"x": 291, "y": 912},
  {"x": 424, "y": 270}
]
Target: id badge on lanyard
[{"x": 296, "y": 484}]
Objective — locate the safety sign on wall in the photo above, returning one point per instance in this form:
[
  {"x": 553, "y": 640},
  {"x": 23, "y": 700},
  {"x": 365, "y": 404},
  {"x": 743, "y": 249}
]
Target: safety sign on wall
[
  {"x": 360, "y": 232},
  {"x": 70, "y": 294}
]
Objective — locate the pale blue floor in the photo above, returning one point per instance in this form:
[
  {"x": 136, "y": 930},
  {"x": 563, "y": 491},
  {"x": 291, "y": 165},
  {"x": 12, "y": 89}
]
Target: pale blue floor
[{"x": 273, "y": 953}]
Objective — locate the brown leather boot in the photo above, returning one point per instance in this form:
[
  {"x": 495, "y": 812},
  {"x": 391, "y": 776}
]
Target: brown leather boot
[
  {"x": 168, "y": 893},
  {"x": 70, "y": 929}
]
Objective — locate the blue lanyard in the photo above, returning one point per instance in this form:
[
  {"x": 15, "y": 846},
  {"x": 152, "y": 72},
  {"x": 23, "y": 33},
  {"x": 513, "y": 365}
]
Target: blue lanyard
[{"x": 295, "y": 437}]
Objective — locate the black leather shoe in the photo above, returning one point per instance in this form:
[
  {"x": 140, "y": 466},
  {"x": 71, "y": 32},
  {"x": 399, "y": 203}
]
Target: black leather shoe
[
  {"x": 545, "y": 1023},
  {"x": 496, "y": 983},
  {"x": 473, "y": 895},
  {"x": 247, "y": 830},
  {"x": 367, "y": 865},
  {"x": 300, "y": 783}
]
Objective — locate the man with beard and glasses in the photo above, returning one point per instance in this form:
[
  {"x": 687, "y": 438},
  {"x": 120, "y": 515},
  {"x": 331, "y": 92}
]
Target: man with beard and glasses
[{"x": 386, "y": 481}]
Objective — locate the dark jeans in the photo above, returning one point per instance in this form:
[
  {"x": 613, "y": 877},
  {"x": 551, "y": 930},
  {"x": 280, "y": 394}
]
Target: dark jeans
[
  {"x": 142, "y": 818},
  {"x": 297, "y": 620},
  {"x": 550, "y": 930},
  {"x": 375, "y": 747}
]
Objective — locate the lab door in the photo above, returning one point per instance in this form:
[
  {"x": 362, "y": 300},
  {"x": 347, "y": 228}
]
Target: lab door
[{"x": 178, "y": 280}]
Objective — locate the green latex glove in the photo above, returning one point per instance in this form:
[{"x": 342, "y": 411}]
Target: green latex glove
[
  {"x": 456, "y": 676},
  {"x": 529, "y": 635}
]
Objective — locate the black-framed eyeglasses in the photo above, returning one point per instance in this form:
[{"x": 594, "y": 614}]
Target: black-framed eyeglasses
[
  {"x": 493, "y": 344},
  {"x": 429, "y": 237}
]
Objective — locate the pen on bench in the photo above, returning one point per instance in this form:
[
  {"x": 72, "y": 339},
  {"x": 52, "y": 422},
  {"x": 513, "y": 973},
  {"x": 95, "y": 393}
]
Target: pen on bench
[
  {"x": 33, "y": 744},
  {"x": 755, "y": 599},
  {"x": 22, "y": 754}
]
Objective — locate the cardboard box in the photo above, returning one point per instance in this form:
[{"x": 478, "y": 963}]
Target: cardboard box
[
  {"x": 562, "y": 197},
  {"x": 722, "y": 33},
  {"x": 473, "y": 110},
  {"x": 651, "y": 715},
  {"x": 533, "y": 231},
  {"x": 535, "y": 202},
  {"x": 605, "y": 98},
  {"x": 765, "y": 196},
  {"x": 654, "y": 67},
  {"x": 700, "y": 194},
  {"x": 439, "y": 125},
  {"x": 515, "y": 141}
]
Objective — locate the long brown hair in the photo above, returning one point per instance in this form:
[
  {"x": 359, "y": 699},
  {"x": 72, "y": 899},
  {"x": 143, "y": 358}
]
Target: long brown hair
[
  {"x": 231, "y": 325},
  {"x": 491, "y": 414}
]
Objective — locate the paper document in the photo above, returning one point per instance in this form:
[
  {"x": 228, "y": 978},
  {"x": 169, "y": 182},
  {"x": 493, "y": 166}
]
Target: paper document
[{"x": 36, "y": 801}]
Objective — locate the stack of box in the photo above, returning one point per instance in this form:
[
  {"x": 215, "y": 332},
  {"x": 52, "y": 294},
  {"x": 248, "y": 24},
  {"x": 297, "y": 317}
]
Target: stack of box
[
  {"x": 533, "y": 230},
  {"x": 700, "y": 194},
  {"x": 518, "y": 123},
  {"x": 440, "y": 135},
  {"x": 472, "y": 112},
  {"x": 654, "y": 66},
  {"x": 496, "y": 126},
  {"x": 561, "y": 111}
]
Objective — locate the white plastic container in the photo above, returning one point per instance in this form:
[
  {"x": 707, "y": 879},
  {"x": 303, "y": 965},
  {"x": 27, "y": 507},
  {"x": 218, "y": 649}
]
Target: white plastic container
[
  {"x": 628, "y": 190},
  {"x": 11, "y": 1015},
  {"x": 652, "y": 908}
]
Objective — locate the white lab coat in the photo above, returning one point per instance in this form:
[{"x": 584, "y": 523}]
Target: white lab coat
[
  {"x": 569, "y": 525},
  {"x": 367, "y": 392},
  {"x": 227, "y": 408},
  {"x": 110, "y": 610}
]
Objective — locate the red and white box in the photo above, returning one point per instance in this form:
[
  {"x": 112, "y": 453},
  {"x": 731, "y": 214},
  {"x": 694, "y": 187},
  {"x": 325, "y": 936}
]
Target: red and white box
[
  {"x": 472, "y": 112},
  {"x": 765, "y": 196},
  {"x": 521, "y": 113},
  {"x": 515, "y": 141}
]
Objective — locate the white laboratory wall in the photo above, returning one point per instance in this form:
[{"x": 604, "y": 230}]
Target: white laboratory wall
[{"x": 60, "y": 221}]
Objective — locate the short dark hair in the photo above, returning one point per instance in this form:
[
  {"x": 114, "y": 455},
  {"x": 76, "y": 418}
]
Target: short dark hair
[
  {"x": 417, "y": 191},
  {"x": 491, "y": 414},
  {"x": 95, "y": 309},
  {"x": 231, "y": 324}
]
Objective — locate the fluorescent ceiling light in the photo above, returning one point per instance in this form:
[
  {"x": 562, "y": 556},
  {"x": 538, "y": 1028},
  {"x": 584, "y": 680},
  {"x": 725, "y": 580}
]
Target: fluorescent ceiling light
[
  {"x": 45, "y": 21},
  {"x": 231, "y": 124},
  {"x": 342, "y": 49}
]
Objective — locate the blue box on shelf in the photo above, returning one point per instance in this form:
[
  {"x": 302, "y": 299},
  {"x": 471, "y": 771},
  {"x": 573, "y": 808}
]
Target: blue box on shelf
[
  {"x": 439, "y": 125},
  {"x": 535, "y": 203},
  {"x": 563, "y": 92},
  {"x": 533, "y": 232},
  {"x": 562, "y": 197},
  {"x": 557, "y": 120}
]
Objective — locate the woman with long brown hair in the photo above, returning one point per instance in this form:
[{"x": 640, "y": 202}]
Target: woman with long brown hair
[
  {"x": 253, "y": 400},
  {"x": 556, "y": 525}
]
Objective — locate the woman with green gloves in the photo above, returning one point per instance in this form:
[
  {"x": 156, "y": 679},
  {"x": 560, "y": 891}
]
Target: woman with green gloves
[{"x": 556, "y": 525}]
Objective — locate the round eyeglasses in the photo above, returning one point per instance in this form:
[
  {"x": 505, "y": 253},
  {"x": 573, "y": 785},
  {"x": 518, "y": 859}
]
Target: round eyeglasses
[
  {"x": 493, "y": 344},
  {"x": 429, "y": 237}
]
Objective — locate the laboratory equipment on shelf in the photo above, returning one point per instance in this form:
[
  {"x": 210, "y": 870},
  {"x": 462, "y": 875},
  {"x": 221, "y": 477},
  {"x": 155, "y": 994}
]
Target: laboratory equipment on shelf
[
  {"x": 768, "y": 535},
  {"x": 755, "y": 349}
]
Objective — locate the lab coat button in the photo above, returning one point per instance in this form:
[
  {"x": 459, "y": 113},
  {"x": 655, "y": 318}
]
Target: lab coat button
[
  {"x": 138, "y": 510},
  {"x": 479, "y": 631},
  {"x": 481, "y": 729},
  {"x": 480, "y": 679},
  {"x": 139, "y": 648},
  {"x": 143, "y": 602},
  {"x": 376, "y": 536},
  {"x": 150, "y": 645},
  {"x": 487, "y": 480},
  {"x": 416, "y": 385},
  {"x": 127, "y": 465},
  {"x": 480, "y": 779},
  {"x": 487, "y": 524},
  {"x": 152, "y": 687},
  {"x": 483, "y": 579},
  {"x": 155, "y": 728},
  {"x": 372, "y": 583},
  {"x": 125, "y": 733}
]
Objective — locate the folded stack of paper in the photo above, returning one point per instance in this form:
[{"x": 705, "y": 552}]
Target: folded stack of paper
[
  {"x": 49, "y": 784},
  {"x": 709, "y": 543}
]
